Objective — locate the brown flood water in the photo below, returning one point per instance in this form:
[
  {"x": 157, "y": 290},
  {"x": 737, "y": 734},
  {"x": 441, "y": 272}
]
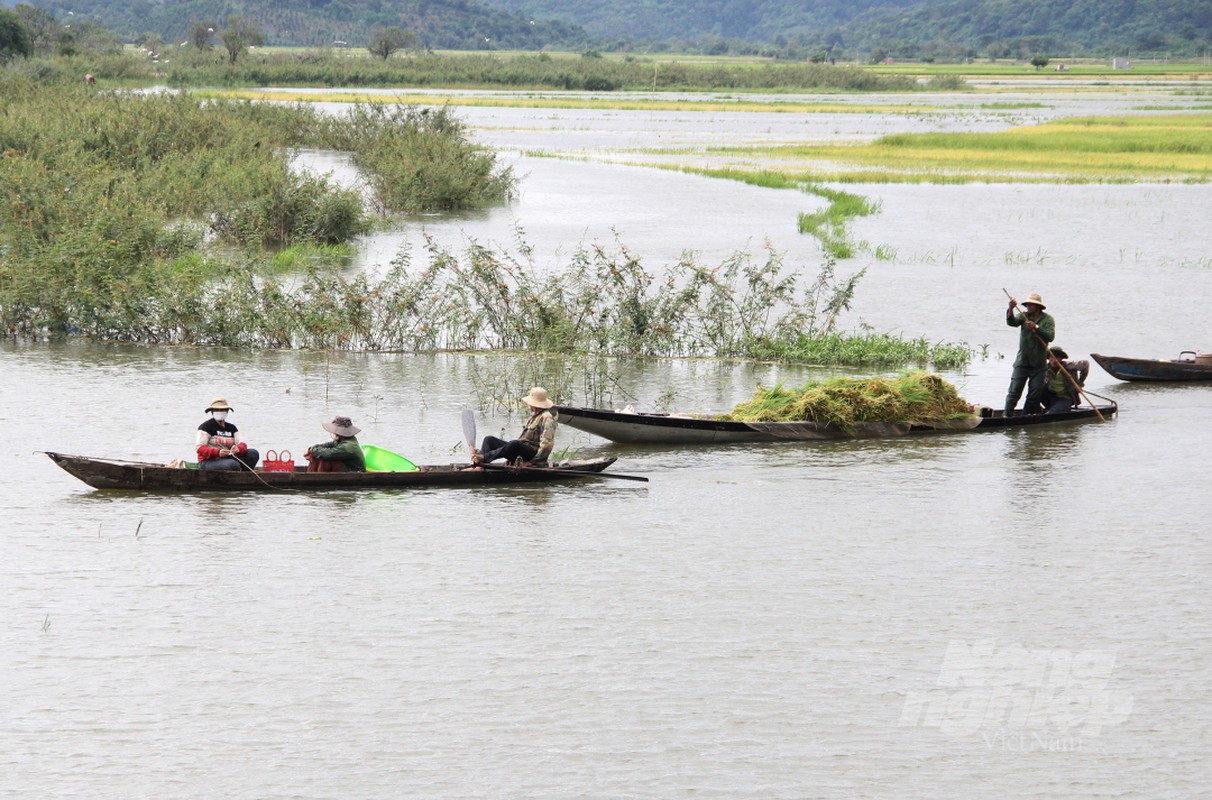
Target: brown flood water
[{"x": 1018, "y": 613}]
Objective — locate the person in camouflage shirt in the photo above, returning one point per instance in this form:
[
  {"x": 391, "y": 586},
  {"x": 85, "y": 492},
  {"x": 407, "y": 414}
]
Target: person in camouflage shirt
[{"x": 534, "y": 444}]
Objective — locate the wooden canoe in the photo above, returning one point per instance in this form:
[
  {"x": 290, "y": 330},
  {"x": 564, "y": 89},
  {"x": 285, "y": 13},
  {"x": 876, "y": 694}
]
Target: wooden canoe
[
  {"x": 1187, "y": 367},
  {"x": 106, "y": 473},
  {"x": 646, "y": 428}
]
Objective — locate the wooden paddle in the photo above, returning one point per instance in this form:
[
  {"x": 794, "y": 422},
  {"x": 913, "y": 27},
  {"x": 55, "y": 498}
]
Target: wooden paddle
[
  {"x": 469, "y": 435},
  {"x": 1048, "y": 350},
  {"x": 469, "y": 431}
]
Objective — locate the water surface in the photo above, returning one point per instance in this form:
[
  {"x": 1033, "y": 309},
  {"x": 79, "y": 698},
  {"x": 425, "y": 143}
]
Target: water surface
[{"x": 779, "y": 621}]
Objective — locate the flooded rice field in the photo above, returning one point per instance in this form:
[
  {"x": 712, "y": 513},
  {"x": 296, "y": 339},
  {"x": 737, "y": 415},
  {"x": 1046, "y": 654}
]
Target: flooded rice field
[{"x": 1017, "y": 613}]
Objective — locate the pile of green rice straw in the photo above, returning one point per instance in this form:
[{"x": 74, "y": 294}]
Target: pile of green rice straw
[{"x": 916, "y": 396}]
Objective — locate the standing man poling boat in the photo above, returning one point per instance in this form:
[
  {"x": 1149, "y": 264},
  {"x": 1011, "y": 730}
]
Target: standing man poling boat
[{"x": 1031, "y": 364}]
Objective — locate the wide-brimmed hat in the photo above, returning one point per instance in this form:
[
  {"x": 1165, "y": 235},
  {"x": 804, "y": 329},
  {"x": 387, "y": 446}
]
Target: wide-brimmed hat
[
  {"x": 342, "y": 426},
  {"x": 219, "y": 404},
  {"x": 1034, "y": 299},
  {"x": 1060, "y": 353},
  {"x": 538, "y": 398}
]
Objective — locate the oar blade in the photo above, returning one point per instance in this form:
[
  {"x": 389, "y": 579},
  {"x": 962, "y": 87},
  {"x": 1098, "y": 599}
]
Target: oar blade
[{"x": 469, "y": 428}]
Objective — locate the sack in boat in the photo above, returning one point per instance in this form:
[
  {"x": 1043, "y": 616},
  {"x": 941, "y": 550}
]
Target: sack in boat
[
  {"x": 278, "y": 462},
  {"x": 176, "y": 463}
]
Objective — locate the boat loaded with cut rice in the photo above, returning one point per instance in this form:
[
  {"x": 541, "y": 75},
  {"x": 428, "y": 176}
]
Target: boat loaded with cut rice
[{"x": 913, "y": 403}]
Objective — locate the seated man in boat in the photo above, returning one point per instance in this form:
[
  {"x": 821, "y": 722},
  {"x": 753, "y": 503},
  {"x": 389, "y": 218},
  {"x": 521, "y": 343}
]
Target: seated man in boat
[
  {"x": 219, "y": 444},
  {"x": 534, "y": 444},
  {"x": 342, "y": 453},
  {"x": 1061, "y": 391}
]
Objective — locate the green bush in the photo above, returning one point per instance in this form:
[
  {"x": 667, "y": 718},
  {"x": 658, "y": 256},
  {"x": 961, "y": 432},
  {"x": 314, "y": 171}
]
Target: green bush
[
  {"x": 104, "y": 191},
  {"x": 420, "y": 159}
]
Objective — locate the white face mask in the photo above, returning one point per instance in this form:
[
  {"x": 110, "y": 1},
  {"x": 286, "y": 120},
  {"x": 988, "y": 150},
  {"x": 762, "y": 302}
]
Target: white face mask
[{"x": 219, "y": 415}]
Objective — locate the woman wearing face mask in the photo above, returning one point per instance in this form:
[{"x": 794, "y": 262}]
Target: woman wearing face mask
[{"x": 220, "y": 446}]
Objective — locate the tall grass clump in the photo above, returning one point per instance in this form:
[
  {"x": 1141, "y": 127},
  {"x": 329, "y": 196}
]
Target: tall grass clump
[
  {"x": 913, "y": 397},
  {"x": 103, "y": 189},
  {"x": 420, "y": 159},
  {"x": 866, "y": 348},
  {"x": 601, "y": 303}
]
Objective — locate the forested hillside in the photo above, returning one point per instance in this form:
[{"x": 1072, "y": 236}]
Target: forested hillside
[
  {"x": 1009, "y": 28},
  {"x": 907, "y": 28},
  {"x": 817, "y": 29},
  {"x": 451, "y": 24},
  {"x": 758, "y": 21}
]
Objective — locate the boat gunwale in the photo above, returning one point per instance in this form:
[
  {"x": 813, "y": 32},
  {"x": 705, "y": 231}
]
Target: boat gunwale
[
  {"x": 688, "y": 430},
  {"x": 1153, "y": 370},
  {"x": 109, "y": 473}
]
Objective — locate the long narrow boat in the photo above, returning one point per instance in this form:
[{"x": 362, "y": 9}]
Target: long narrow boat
[
  {"x": 646, "y": 428},
  {"x": 1196, "y": 367},
  {"x": 107, "y": 473}
]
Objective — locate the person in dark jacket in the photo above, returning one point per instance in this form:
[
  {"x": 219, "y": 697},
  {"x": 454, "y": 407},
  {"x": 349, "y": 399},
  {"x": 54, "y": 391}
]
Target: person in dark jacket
[
  {"x": 219, "y": 444},
  {"x": 1031, "y": 364},
  {"x": 342, "y": 453}
]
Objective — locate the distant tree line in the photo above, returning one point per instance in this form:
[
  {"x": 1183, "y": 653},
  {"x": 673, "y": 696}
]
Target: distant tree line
[
  {"x": 824, "y": 31},
  {"x": 436, "y": 24}
]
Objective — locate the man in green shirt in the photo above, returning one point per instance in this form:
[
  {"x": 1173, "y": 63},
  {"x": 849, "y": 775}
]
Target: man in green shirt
[
  {"x": 1031, "y": 364},
  {"x": 1062, "y": 389}
]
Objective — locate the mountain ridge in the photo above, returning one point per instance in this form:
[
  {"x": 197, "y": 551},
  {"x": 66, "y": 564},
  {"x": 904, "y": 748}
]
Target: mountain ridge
[{"x": 850, "y": 29}]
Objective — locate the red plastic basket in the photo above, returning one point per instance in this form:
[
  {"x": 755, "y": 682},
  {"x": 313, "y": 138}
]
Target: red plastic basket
[{"x": 278, "y": 462}]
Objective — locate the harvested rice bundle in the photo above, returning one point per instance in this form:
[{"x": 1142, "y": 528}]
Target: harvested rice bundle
[
  {"x": 912, "y": 397},
  {"x": 767, "y": 405}
]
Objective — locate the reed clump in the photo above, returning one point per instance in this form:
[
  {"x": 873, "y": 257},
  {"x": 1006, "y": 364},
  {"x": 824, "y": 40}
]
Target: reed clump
[
  {"x": 117, "y": 203},
  {"x": 416, "y": 159},
  {"x": 603, "y": 303},
  {"x": 913, "y": 397}
]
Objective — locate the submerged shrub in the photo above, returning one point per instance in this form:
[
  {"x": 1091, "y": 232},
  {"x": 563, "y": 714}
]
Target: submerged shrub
[
  {"x": 283, "y": 207},
  {"x": 104, "y": 193},
  {"x": 602, "y": 303},
  {"x": 420, "y": 159}
]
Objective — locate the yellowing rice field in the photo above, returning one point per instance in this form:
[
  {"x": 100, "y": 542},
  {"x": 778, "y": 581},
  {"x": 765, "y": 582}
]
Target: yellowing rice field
[{"x": 1153, "y": 147}]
